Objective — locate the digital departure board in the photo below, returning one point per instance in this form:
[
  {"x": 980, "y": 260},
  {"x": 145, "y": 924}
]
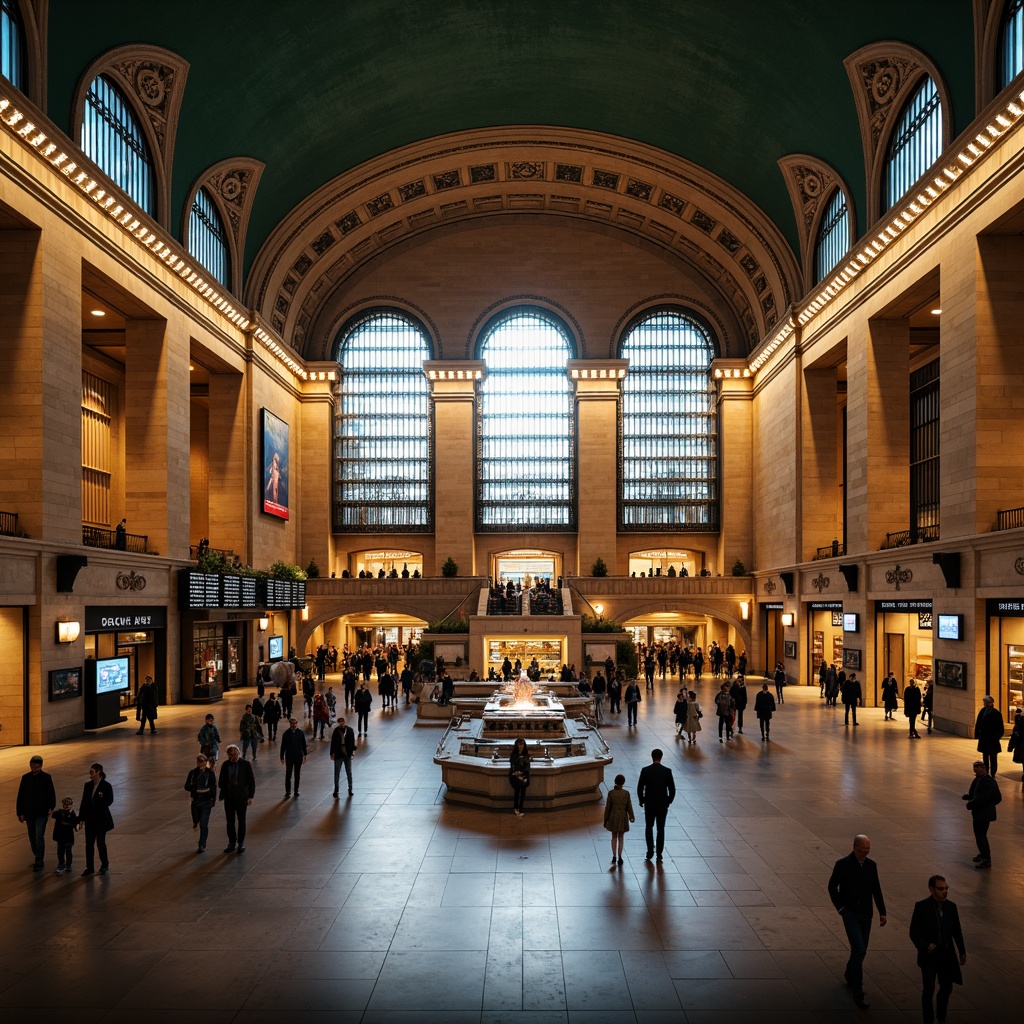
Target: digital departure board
[{"x": 210, "y": 590}]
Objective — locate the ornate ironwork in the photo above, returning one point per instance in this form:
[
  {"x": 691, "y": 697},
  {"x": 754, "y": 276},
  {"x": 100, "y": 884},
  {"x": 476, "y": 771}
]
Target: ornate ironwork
[
  {"x": 821, "y": 582},
  {"x": 770, "y": 586}
]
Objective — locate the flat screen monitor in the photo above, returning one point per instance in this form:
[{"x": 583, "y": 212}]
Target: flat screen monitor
[
  {"x": 111, "y": 675},
  {"x": 276, "y": 647},
  {"x": 851, "y": 622},
  {"x": 951, "y": 627}
]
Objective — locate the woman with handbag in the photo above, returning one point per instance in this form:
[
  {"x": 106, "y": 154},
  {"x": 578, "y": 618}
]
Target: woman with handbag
[
  {"x": 519, "y": 774},
  {"x": 693, "y": 717}
]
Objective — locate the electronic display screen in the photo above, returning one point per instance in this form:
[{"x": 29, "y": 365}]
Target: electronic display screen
[
  {"x": 276, "y": 648},
  {"x": 950, "y": 627},
  {"x": 851, "y": 622},
  {"x": 112, "y": 675}
]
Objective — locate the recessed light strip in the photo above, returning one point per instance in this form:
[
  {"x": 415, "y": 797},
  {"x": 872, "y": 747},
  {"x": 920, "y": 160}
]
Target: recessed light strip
[{"x": 118, "y": 210}]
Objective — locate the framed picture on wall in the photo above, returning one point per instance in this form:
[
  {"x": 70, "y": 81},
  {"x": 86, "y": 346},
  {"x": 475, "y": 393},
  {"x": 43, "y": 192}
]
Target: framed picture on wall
[
  {"x": 924, "y": 620},
  {"x": 790, "y": 646},
  {"x": 837, "y": 619},
  {"x": 951, "y": 673},
  {"x": 851, "y": 658},
  {"x": 65, "y": 683},
  {"x": 274, "y": 464}
]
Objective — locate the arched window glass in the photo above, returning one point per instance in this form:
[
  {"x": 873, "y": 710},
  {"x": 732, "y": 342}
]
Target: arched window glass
[
  {"x": 112, "y": 138},
  {"x": 11, "y": 63},
  {"x": 525, "y": 463},
  {"x": 833, "y": 236},
  {"x": 1011, "y": 43},
  {"x": 206, "y": 237},
  {"x": 669, "y": 433},
  {"x": 382, "y": 428},
  {"x": 915, "y": 144}
]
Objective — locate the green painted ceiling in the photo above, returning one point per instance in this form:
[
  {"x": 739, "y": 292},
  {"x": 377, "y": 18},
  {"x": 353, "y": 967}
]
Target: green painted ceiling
[{"x": 314, "y": 87}]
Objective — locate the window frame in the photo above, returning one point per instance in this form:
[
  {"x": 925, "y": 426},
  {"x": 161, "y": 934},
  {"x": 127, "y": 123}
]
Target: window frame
[
  {"x": 829, "y": 225},
  {"x": 216, "y": 232},
  {"x": 12, "y": 24},
  {"x": 905, "y": 137},
  {"x": 712, "y": 504},
  {"x": 347, "y": 330},
  {"x": 571, "y": 349},
  {"x": 1012, "y": 18}
]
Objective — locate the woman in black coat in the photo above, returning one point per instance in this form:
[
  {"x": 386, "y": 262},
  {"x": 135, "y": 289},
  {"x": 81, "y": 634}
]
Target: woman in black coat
[
  {"x": 94, "y": 813},
  {"x": 764, "y": 708},
  {"x": 519, "y": 773},
  {"x": 890, "y": 695}
]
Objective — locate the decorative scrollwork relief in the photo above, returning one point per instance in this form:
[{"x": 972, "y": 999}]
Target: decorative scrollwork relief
[
  {"x": 130, "y": 581},
  {"x": 898, "y": 576}
]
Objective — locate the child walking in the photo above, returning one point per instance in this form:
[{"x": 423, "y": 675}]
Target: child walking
[
  {"x": 65, "y": 823},
  {"x": 618, "y": 813}
]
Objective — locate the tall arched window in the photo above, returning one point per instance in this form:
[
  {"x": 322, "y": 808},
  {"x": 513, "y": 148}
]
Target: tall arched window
[
  {"x": 207, "y": 240},
  {"x": 915, "y": 144},
  {"x": 833, "y": 239},
  {"x": 525, "y": 461},
  {"x": 382, "y": 428},
  {"x": 669, "y": 434},
  {"x": 1011, "y": 43},
  {"x": 112, "y": 138},
  {"x": 12, "y": 65}
]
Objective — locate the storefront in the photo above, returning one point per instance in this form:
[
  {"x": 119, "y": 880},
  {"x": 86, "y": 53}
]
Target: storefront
[
  {"x": 389, "y": 563},
  {"x": 825, "y": 635},
  {"x": 14, "y": 680},
  {"x": 136, "y": 638},
  {"x": 658, "y": 562},
  {"x": 903, "y": 641},
  {"x": 550, "y": 652},
  {"x": 1005, "y": 653}
]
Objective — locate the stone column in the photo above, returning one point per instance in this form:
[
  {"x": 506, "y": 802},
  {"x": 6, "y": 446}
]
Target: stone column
[
  {"x": 453, "y": 394},
  {"x": 597, "y": 383},
  {"x": 735, "y": 460},
  {"x": 229, "y": 491},
  {"x": 878, "y": 435},
  {"x": 316, "y": 467},
  {"x": 820, "y": 476},
  {"x": 157, "y": 434}
]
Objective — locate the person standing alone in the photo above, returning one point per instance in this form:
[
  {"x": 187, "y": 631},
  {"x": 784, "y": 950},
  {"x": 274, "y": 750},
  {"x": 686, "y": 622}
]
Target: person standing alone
[
  {"x": 853, "y": 887},
  {"x": 293, "y": 755},
  {"x": 655, "y": 791},
  {"x": 988, "y": 731},
  {"x": 981, "y": 799},
  {"x": 343, "y": 745},
  {"x": 237, "y": 787},
  {"x": 146, "y": 701},
  {"x": 36, "y": 802}
]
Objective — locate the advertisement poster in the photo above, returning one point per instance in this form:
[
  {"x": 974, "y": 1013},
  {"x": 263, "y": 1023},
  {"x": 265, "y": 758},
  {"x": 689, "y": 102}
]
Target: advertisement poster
[{"x": 274, "y": 461}]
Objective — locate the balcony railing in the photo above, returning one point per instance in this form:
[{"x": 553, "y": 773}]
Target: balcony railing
[
  {"x": 903, "y": 538},
  {"x": 9, "y": 524},
  {"x": 833, "y": 550},
  {"x": 227, "y": 554},
  {"x": 1010, "y": 518},
  {"x": 94, "y": 537}
]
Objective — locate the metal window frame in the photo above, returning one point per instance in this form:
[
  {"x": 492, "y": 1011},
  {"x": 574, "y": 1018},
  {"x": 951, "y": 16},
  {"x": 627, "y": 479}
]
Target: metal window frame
[
  {"x": 207, "y": 238},
  {"x": 833, "y": 241}
]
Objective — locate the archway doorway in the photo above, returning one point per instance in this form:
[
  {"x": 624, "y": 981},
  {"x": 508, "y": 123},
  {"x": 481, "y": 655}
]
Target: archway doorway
[{"x": 526, "y": 567}]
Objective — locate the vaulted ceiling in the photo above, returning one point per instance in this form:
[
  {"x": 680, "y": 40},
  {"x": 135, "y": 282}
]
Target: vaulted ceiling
[{"x": 709, "y": 89}]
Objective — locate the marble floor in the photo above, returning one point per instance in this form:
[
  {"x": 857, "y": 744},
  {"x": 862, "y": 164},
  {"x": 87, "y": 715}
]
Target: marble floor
[{"x": 392, "y": 907}]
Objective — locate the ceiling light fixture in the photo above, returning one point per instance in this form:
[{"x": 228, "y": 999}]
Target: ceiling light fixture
[{"x": 97, "y": 312}]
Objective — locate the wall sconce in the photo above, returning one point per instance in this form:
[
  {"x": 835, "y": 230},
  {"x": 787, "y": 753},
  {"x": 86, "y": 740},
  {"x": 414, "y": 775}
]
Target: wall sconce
[
  {"x": 68, "y": 632},
  {"x": 788, "y": 618},
  {"x": 263, "y": 623},
  {"x": 744, "y": 610},
  {"x": 599, "y": 608},
  {"x": 305, "y": 613}
]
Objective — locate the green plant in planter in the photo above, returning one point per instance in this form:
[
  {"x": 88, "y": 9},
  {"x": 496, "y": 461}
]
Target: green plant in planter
[
  {"x": 738, "y": 568},
  {"x": 312, "y": 570},
  {"x": 599, "y": 568},
  {"x": 450, "y": 568}
]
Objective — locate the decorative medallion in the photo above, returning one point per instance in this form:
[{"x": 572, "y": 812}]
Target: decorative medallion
[
  {"x": 898, "y": 576},
  {"x": 821, "y": 582},
  {"x": 1018, "y": 567},
  {"x": 130, "y": 581},
  {"x": 770, "y": 586}
]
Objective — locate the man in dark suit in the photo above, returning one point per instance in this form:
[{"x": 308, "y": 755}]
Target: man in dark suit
[
  {"x": 237, "y": 787},
  {"x": 343, "y": 745},
  {"x": 852, "y": 888},
  {"x": 656, "y": 789},
  {"x": 293, "y": 755},
  {"x": 935, "y": 930}
]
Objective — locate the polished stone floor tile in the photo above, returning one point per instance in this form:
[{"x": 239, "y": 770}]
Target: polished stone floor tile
[{"x": 394, "y": 907}]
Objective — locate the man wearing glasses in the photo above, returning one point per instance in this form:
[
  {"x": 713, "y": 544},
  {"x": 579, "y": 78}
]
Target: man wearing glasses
[{"x": 935, "y": 930}]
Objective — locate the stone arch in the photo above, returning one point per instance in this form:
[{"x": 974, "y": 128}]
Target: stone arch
[
  {"x": 451, "y": 182},
  {"x": 340, "y": 611},
  {"x": 152, "y": 81}
]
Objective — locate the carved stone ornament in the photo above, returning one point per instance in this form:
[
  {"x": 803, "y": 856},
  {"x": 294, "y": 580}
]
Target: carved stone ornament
[
  {"x": 882, "y": 79},
  {"x": 770, "y": 586},
  {"x": 155, "y": 84},
  {"x": 821, "y": 582},
  {"x": 898, "y": 576},
  {"x": 130, "y": 581},
  {"x": 1018, "y": 567}
]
